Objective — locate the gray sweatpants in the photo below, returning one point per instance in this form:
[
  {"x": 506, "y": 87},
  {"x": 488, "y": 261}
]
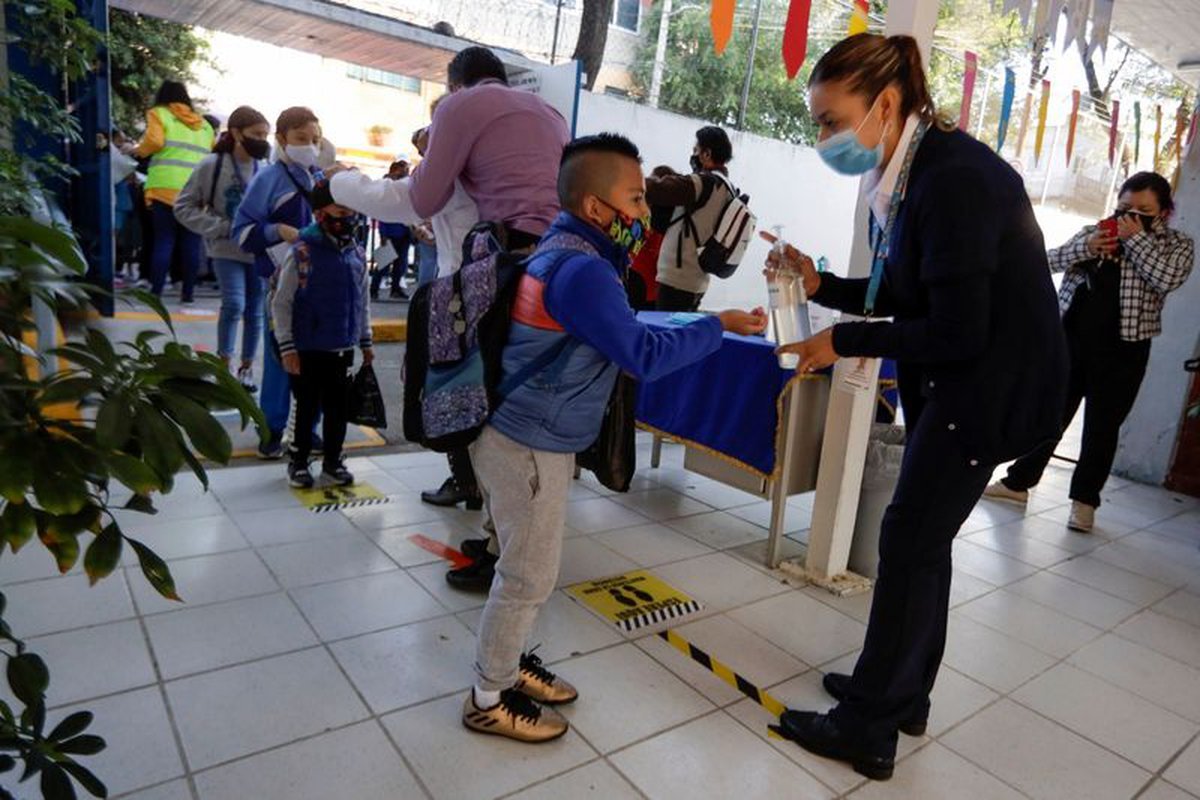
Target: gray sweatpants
[{"x": 526, "y": 492}]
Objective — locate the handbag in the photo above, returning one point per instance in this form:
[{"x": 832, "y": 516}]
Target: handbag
[
  {"x": 613, "y": 456},
  {"x": 366, "y": 400}
]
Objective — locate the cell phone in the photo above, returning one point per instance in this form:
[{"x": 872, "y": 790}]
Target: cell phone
[{"x": 1108, "y": 227}]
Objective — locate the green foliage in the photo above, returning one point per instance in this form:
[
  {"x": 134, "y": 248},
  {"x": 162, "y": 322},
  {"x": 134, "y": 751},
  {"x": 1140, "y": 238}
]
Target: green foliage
[{"x": 143, "y": 52}]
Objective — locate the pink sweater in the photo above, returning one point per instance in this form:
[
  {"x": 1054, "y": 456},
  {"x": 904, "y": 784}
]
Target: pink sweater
[{"x": 504, "y": 145}]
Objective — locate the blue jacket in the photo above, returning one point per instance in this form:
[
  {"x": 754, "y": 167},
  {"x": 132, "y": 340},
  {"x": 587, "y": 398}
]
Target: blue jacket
[
  {"x": 976, "y": 331},
  {"x": 322, "y": 301},
  {"x": 271, "y": 199},
  {"x": 580, "y": 297}
]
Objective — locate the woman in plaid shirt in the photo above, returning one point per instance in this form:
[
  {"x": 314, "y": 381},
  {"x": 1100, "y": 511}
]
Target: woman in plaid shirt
[{"x": 1111, "y": 299}]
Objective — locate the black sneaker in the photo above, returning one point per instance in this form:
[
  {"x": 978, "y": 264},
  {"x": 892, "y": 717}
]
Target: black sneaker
[
  {"x": 475, "y": 577},
  {"x": 272, "y": 449},
  {"x": 298, "y": 475},
  {"x": 337, "y": 474}
]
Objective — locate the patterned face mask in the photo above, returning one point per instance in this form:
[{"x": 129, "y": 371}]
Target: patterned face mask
[{"x": 628, "y": 232}]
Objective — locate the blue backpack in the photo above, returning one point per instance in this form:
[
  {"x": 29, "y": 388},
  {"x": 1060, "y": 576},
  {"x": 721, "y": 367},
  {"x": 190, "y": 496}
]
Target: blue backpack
[{"x": 458, "y": 326}]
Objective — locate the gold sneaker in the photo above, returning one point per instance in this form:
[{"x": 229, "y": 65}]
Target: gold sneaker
[
  {"x": 543, "y": 685},
  {"x": 516, "y": 716}
]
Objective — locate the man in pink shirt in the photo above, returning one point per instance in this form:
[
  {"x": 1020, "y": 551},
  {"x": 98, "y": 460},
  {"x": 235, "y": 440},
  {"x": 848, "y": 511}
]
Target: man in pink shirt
[{"x": 503, "y": 144}]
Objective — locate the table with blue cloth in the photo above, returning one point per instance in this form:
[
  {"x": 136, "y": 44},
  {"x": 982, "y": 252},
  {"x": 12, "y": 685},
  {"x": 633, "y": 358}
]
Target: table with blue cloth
[{"x": 734, "y": 411}]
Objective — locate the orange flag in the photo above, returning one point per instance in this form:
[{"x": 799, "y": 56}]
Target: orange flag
[
  {"x": 1074, "y": 122},
  {"x": 859, "y": 17},
  {"x": 1112, "y": 132},
  {"x": 721, "y": 22},
  {"x": 795, "y": 36}
]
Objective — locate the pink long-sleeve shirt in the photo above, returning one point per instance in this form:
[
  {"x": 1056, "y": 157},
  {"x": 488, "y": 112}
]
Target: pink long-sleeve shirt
[{"x": 504, "y": 145}]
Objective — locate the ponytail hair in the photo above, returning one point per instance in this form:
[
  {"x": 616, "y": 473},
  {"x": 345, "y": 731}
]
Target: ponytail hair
[
  {"x": 869, "y": 63},
  {"x": 242, "y": 117}
]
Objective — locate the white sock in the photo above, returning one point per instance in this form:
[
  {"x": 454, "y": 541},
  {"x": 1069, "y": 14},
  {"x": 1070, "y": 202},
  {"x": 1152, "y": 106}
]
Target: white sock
[{"x": 485, "y": 700}]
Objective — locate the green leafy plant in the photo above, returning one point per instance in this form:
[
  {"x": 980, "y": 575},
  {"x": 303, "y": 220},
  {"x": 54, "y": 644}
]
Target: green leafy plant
[
  {"x": 153, "y": 399},
  {"x": 143, "y": 52}
]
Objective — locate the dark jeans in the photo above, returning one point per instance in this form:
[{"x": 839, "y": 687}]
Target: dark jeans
[
  {"x": 906, "y": 634},
  {"x": 173, "y": 241},
  {"x": 462, "y": 470},
  {"x": 397, "y": 268},
  {"x": 1108, "y": 375},
  {"x": 323, "y": 385},
  {"x": 672, "y": 299}
]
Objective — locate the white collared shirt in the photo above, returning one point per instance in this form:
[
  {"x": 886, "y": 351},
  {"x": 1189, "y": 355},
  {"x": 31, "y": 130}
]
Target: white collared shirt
[{"x": 877, "y": 186}]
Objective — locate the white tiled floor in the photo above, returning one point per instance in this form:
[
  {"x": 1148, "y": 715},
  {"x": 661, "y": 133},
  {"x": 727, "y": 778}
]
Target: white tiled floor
[{"x": 324, "y": 656}]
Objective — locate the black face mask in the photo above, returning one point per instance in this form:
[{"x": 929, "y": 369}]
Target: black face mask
[
  {"x": 1147, "y": 220},
  {"x": 340, "y": 228},
  {"x": 696, "y": 165},
  {"x": 258, "y": 149}
]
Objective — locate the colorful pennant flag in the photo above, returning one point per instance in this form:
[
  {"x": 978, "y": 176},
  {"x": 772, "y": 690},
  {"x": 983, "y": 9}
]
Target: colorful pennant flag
[
  {"x": 1043, "y": 109},
  {"x": 720, "y": 19},
  {"x": 1072, "y": 124},
  {"x": 1157, "y": 136},
  {"x": 1006, "y": 103},
  {"x": 859, "y": 17},
  {"x": 1137, "y": 132},
  {"x": 1112, "y": 132},
  {"x": 1077, "y": 14},
  {"x": 1101, "y": 23},
  {"x": 1053, "y": 16},
  {"x": 969, "y": 72},
  {"x": 1024, "y": 129},
  {"x": 795, "y": 36}
]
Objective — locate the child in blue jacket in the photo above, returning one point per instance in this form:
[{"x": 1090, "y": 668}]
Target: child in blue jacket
[
  {"x": 274, "y": 209},
  {"x": 322, "y": 310}
]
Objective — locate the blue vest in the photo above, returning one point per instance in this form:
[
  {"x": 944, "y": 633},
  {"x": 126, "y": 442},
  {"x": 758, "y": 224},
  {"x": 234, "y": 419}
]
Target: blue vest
[{"x": 327, "y": 312}]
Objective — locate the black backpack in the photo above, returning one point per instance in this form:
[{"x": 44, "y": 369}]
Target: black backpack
[{"x": 722, "y": 252}]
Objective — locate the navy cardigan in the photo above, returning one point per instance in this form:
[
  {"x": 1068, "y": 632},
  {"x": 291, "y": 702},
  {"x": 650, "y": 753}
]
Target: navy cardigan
[{"x": 975, "y": 329}]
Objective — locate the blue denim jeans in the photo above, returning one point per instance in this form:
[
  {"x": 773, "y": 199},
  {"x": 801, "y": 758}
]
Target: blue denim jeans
[
  {"x": 241, "y": 299},
  {"x": 427, "y": 263},
  {"x": 172, "y": 240}
]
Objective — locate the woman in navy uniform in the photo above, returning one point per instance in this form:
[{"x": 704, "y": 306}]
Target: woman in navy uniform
[{"x": 959, "y": 271}]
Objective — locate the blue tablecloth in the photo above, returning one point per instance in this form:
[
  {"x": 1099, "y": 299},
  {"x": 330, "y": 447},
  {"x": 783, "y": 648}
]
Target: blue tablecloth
[{"x": 727, "y": 403}]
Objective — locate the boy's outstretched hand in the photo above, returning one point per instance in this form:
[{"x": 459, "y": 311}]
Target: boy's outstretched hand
[{"x": 746, "y": 323}]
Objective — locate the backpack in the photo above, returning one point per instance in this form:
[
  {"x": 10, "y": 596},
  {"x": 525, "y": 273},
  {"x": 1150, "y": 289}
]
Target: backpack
[
  {"x": 457, "y": 329},
  {"x": 722, "y": 253}
]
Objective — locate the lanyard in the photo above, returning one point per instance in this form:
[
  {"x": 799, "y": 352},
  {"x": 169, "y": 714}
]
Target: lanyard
[
  {"x": 882, "y": 236},
  {"x": 238, "y": 172}
]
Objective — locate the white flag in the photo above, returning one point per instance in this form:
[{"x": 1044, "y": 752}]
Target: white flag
[
  {"x": 1053, "y": 15},
  {"x": 1077, "y": 14},
  {"x": 1101, "y": 23}
]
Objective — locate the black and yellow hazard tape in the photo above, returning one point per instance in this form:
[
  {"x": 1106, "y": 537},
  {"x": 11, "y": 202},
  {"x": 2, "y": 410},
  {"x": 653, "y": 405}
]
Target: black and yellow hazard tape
[
  {"x": 659, "y": 612},
  {"x": 370, "y": 501},
  {"x": 760, "y": 696}
]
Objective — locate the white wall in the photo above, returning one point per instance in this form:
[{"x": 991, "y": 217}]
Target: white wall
[
  {"x": 1148, "y": 438},
  {"x": 788, "y": 185}
]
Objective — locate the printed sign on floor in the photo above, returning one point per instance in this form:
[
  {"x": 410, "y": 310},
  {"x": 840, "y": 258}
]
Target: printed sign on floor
[
  {"x": 634, "y": 600},
  {"x": 320, "y": 499}
]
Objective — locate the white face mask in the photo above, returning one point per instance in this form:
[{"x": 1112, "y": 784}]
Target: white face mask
[{"x": 304, "y": 155}]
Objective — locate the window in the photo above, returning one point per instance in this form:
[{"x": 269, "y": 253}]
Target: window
[
  {"x": 384, "y": 78},
  {"x": 626, "y": 14}
]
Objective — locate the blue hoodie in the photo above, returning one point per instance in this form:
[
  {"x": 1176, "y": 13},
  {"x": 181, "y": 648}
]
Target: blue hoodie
[
  {"x": 272, "y": 199},
  {"x": 561, "y": 407}
]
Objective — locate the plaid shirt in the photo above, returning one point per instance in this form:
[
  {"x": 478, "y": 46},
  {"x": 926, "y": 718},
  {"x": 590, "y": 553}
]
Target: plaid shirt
[{"x": 1152, "y": 264}]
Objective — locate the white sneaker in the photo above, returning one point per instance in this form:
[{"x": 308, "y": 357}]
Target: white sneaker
[
  {"x": 998, "y": 491},
  {"x": 1083, "y": 517}
]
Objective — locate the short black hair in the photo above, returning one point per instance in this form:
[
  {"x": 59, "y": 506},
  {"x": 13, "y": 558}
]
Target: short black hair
[
  {"x": 321, "y": 196},
  {"x": 475, "y": 64},
  {"x": 576, "y": 177},
  {"x": 172, "y": 92},
  {"x": 1155, "y": 183},
  {"x": 715, "y": 141}
]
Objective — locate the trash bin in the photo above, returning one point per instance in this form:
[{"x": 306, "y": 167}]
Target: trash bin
[{"x": 885, "y": 452}]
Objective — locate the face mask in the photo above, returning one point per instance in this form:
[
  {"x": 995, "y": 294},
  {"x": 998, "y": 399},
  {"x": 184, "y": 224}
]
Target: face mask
[
  {"x": 1147, "y": 220},
  {"x": 258, "y": 149},
  {"x": 304, "y": 155},
  {"x": 628, "y": 232},
  {"x": 845, "y": 154},
  {"x": 340, "y": 228},
  {"x": 696, "y": 165}
]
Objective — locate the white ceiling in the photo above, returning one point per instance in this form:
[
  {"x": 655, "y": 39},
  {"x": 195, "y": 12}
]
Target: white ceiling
[{"x": 1167, "y": 30}]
